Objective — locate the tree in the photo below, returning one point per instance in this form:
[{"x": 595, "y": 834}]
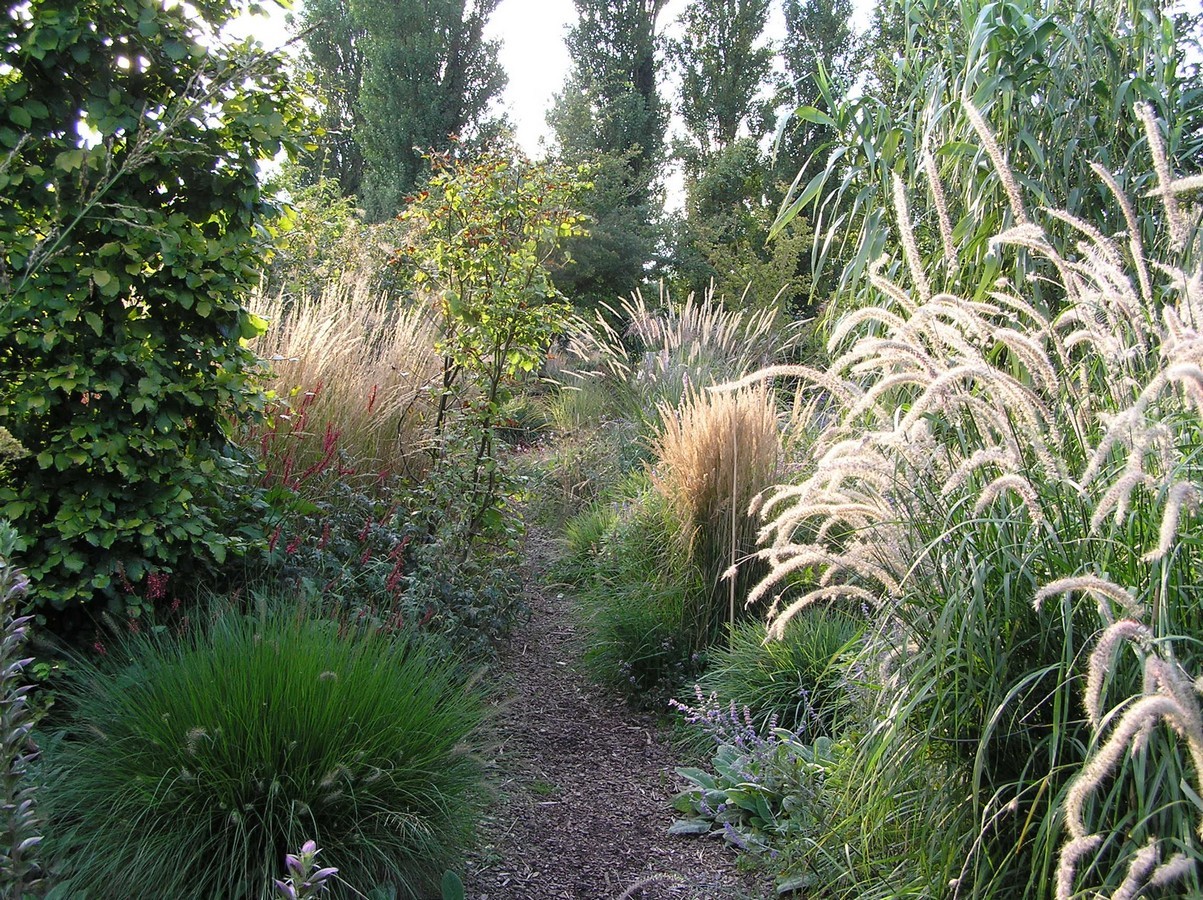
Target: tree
[
  {"x": 334, "y": 54},
  {"x": 610, "y": 116},
  {"x": 818, "y": 54},
  {"x": 130, "y": 219},
  {"x": 482, "y": 234},
  {"x": 399, "y": 77},
  {"x": 726, "y": 105},
  {"x": 724, "y": 67}
]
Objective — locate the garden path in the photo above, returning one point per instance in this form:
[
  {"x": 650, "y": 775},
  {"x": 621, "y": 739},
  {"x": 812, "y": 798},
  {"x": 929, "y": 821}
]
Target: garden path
[{"x": 583, "y": 807}]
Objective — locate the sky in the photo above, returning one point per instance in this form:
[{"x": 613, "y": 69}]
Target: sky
[{"x": 532, "y": 53}]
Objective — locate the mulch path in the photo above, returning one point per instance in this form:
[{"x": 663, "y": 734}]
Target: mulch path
[{"x": 583, "y": 809}]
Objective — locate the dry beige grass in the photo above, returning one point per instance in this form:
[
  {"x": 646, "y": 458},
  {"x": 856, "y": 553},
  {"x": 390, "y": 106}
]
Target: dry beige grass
[
  {"x": 372, "y": 367},
  {"x": 714, "y": 456}
]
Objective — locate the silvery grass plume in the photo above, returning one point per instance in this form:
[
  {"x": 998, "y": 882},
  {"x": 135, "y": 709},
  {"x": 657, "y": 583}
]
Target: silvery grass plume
[
  {"x": 19, "y": 835},
  {"x": 669, "y": 350},
  {"x": 999, "y": 407}
]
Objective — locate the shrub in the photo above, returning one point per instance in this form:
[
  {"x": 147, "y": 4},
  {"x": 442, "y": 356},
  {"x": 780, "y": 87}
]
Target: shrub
[
  {"x": 483, "y": 232},
  {"x": 196, "y": 763},
  {"x": 765, "y": 788},
  {"x": 130, "y": 206}
]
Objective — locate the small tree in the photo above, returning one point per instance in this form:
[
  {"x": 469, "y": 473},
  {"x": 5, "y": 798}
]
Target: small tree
[
  {"x": 484, "y": 232},
  {"x": 130, "y": 214}
]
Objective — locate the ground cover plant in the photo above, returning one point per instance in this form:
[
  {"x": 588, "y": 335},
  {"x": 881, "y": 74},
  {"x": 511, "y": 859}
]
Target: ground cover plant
[{"x": 195, "y": 761}]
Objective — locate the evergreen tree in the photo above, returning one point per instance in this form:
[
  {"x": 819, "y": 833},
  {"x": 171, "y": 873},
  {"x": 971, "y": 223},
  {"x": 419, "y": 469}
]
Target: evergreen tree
[
  {"x": 610, "y": 115},
  {"x": 399, "y": 75}
]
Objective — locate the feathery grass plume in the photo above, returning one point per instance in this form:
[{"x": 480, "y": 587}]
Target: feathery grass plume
[
  {"x": 986, "y": 136},
  {"x": 1090, "y": 412},
  {"x": 375, "y": 364},
  {"x": 714, "y": 455},
  {"x": 907, "y": 235},
  {"x": 666, "y": 353},
  {"x": 941, "y": 201},
  {"x": 1165, "y": 178}
]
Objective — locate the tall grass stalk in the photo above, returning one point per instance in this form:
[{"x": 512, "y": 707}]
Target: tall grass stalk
[
  {"x": 371, "y": 365},
  {"x": 970, "y": 454}
]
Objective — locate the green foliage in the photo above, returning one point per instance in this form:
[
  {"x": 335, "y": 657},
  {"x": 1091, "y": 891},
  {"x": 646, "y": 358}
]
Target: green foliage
[
  {"x": 725, "y": 67},
  {"x": 633, "y": 596},
  {"x": 722, "y": 246},
  {"x": 611, "y": 117},
  {"x": 198, "y": 761},
  {"x": 1057, "y": 81},
  {"x": 621, "y": 211},
  {"x": 483, "y": 232},
  {"x": 795, "y": 681},
  {"x": 401, "y": 79},
  {"x": 819, "y": 47},
  {"x": 763, "y": 788},
  {"x": 130, "y": 218},
  {"x": 319, "y": 242}
]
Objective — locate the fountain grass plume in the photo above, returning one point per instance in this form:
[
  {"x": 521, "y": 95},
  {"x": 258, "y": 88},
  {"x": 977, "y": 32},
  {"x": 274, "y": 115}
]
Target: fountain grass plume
[{"x": 979, "y": 457}]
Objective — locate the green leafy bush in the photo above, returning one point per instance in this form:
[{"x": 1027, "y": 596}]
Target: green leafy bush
[
  {"x": 130, "y": 212},
  {"x": 198, "y": 761}
]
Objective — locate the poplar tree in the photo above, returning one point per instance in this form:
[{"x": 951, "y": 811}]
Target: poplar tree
[
  {"x": 726, "y": 105},
  {"x": 610, "y": 115},
  {"x": 399, "y": 77}
]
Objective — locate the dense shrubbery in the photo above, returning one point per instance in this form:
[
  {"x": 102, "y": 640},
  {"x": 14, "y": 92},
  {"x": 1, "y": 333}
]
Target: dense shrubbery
[
  {"x": 193, "y": 762},
  {"x": 129, "y": 223}
]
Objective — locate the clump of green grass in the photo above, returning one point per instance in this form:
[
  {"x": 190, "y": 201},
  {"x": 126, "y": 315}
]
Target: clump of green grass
[
  {"x": 199, "y": 761},
  {"x": 796, "y": 682},
  {"x": 634, "y": 595}
]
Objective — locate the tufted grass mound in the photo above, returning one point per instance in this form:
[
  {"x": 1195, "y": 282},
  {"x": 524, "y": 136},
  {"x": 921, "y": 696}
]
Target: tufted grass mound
[{"x": 199, "y": 761}]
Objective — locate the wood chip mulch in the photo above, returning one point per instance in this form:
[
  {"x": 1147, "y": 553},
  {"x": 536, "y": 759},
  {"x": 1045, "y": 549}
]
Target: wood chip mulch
[{"x": 583, "y": 805}]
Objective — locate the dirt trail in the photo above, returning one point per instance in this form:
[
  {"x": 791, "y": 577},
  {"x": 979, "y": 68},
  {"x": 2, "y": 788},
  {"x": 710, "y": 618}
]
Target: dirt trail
[{"x": 583, "y": 811}]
